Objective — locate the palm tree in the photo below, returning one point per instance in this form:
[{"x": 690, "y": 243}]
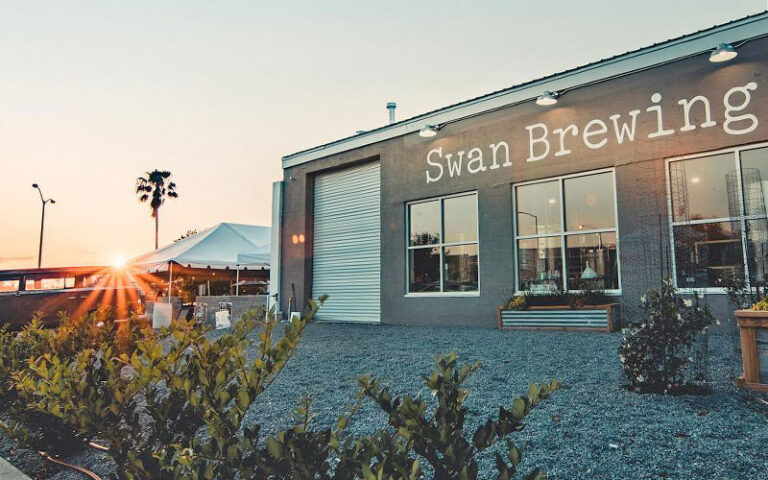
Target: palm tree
[{"x": 154, "y": 186}]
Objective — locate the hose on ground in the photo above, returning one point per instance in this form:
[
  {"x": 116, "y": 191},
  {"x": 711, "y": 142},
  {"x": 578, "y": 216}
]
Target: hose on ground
[{"x": 76, "y": 468}]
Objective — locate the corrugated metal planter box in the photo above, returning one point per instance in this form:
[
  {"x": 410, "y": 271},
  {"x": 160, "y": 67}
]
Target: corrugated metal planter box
[
  {"x": 753, "y": 328},
  {"x": 596, "y": 318}
]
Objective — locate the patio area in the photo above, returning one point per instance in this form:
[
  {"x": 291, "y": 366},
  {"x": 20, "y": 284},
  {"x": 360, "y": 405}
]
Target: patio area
[{"x": 592, "y": 428}]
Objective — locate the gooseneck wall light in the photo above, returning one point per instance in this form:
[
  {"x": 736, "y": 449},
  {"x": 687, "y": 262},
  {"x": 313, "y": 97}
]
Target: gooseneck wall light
[
  {"x": 547, "y": 99},
  {"x": 723, "y": 53},
  {"x": 429, "y": 131}
]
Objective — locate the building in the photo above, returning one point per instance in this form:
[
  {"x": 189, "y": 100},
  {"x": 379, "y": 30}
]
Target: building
[
  {"x": 615, "y": 174},
  {"x": 44, "y": 292}
]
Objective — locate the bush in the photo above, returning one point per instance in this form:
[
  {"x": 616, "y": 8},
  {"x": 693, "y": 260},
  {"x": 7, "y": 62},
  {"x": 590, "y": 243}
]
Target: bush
[
  {"x": 421, "y": 435},
  {"x": 435, "y": 435},
  {"x": 39, "y": 364},
  {"x": 655, "y": 352},
  {"x": 172, "y": 406}
]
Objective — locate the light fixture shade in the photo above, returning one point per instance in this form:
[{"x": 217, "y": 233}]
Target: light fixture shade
[
  {"x": 723, "y": 53},
  {"x": 546, "y": 99},
  {"x": 428, "y": 131}
]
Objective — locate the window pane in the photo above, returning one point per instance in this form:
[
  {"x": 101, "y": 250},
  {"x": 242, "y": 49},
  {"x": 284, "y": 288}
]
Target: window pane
[
  {"x": 708, "y": 255},
  {"x": 540, "y": 262},
  {"x": 9, "y": 285},
  {"x": 460, "y": 268},
  {"x": 757, "y": 250},
  {"x": 754, "y": 179},
  {"x": 425, "y": 223},
  {"x": 592, "y": 261},
  {"x": 44, "y": 284},
  {"x": 425, "y": 270},
  {"x": 589, "y": 202},
  {"x": 704, "y": 188},
  {"x": 538, "y": 208},
  {"x": 460, "y": 219}
]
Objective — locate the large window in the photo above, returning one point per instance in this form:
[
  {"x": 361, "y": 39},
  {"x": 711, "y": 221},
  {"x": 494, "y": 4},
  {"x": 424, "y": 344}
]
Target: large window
[
  {"x": 719, "y": 221},
  {"x": 443, "y": 245},
  {"x": 566, "y": 233},
  {"x": 51, "y": 283}
]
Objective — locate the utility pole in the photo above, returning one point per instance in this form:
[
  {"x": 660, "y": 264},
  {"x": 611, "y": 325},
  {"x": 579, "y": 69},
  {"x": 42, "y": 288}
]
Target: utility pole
[{"x": 42, "y": 223}]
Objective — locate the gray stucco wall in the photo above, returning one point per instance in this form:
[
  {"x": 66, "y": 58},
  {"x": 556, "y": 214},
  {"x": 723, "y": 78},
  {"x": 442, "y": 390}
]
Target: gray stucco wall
[{"x": 640, "y": 183}]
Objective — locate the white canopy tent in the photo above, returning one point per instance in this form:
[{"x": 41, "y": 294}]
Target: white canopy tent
[{"x": 223, "y": 246}]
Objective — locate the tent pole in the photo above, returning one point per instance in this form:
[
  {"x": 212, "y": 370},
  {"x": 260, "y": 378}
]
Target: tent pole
[
  {"x": 237, "y": 282},
  {"x": 170, "y": 279}
]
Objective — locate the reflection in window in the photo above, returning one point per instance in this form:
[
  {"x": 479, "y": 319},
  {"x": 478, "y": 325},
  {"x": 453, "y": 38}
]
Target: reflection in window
[
  {"x": 460, "y": 219},
  {"x": 591, "y": 258},
  {"x": 700, "y": 188},
  {"x": 708, "y": 254},
  {"x": 714, "y": 199},
  {"x": 443, "y": 245},
  {"x": 425, "y": 270},
  {"x": 56, "y": 283},
  {"x": 592, "y": 261},
  {"x": 460, "y": 268},
  {"x": 589, "y": 202},
  {"x": 538, "y": 208},
  {"x": 424, "y": 223},
  {"x": 757, "y": 251},
  {"x": 754, "y": 178},
  {"x": 9, "y": 285},
  {"x": 540, "y": 262}
]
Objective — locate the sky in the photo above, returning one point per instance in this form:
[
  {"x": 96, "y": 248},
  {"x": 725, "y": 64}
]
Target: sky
[{"x": 93, "y": 94}]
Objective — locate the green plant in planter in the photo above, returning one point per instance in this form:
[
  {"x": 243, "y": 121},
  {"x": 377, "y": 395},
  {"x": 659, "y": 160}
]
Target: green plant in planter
[
  {"x": 655, "y": 352},
  {"x": 761, "y": 305},
  {"x": 516, "y": 303}
]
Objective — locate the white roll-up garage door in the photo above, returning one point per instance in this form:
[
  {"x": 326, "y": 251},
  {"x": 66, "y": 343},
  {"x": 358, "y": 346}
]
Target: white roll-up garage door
[{"x": 347, "y": 244}]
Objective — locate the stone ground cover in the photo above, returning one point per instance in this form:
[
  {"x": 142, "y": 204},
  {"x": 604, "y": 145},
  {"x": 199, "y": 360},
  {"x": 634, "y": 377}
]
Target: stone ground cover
[{"x": 592, "y": 428}]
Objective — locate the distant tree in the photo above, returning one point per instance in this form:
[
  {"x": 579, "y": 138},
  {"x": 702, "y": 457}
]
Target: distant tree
[
  {"x": 155, "y": 186},
  {"x": 189, "y": 233}
]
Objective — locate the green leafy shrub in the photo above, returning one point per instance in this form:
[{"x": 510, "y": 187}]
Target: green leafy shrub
[
  {"x": 655, "y": 352},
  {"x": 437, "y": 435},
  {"x": 424, "y": 441},
  {"x": 172, "y": 406}
]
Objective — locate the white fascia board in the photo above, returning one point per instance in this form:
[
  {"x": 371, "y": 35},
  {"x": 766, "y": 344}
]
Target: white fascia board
[{"x": 666, "y": 52}]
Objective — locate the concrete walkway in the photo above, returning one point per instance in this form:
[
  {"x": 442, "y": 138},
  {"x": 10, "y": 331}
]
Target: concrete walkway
[{"x": 9, "y": 472}]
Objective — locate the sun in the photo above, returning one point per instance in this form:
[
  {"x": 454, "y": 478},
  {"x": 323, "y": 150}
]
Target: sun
[{"x": 118, "y": 262}]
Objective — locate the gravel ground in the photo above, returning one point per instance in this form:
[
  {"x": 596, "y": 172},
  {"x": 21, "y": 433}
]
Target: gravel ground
[{"x": 592, "y": 428}]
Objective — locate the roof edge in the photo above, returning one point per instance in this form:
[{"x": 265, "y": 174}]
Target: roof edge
[{"x": 663, "y": 52}]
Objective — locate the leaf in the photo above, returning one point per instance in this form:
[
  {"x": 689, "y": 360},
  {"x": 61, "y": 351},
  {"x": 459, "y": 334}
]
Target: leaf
[
  {"x": 518, "y": 409},
  {"x": 274, "y": 447},
  {"x": 243, "y": 400}
]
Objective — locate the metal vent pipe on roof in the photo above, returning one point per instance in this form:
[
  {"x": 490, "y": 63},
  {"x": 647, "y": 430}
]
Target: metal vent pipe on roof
[{"x": 391, "y": 106}]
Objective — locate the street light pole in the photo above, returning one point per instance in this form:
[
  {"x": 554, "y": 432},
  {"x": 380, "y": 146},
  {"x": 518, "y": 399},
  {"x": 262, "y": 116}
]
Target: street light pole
[{"x": 42, "y": 223}]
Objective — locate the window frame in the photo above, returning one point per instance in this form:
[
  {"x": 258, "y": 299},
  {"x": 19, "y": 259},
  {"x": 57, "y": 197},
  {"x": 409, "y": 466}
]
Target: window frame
[
  {"x": 741, "y": 219},
  {"x": 563, "y": 233},
  {"x": 440, "y": 246}
]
